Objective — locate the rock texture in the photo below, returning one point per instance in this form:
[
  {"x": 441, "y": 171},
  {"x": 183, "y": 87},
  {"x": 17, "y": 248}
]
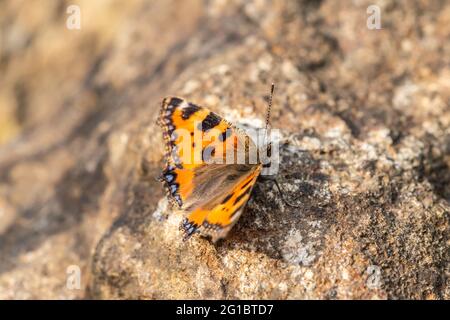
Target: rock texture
[{"x": 365, "y": 118}]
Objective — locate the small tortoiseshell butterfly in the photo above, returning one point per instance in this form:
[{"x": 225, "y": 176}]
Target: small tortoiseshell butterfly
[{"x": 209, "y": 190}]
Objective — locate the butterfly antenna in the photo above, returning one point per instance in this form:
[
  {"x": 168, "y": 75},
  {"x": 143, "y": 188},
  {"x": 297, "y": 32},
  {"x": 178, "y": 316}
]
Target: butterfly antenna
[
  {"x": 272, "y": 89},
  {"x": 269, "y": 108},
  {"x": 282, "y": 196}
]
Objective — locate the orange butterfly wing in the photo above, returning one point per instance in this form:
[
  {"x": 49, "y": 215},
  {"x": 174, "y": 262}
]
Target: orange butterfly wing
[
  {"x": 179, "y": 115},
  {"x": 203, "y": 190}
]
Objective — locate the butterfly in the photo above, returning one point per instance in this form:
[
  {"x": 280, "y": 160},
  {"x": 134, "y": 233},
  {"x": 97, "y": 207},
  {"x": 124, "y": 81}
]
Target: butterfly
[{"x": 210, "y": 191}]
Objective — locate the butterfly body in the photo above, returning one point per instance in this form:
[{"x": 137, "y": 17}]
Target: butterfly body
[{"x": 210, "y": 167}]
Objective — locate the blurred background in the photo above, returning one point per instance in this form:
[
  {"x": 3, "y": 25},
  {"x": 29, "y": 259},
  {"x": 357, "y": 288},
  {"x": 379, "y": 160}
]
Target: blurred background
[{"x": 80, "y": 88}]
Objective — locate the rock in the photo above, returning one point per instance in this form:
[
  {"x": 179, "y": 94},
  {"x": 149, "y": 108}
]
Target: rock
[{"x": 365, "y": 122}]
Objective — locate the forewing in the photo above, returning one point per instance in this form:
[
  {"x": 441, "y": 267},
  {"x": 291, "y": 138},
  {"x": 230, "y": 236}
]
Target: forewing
[{"x": 195, "y": 138}]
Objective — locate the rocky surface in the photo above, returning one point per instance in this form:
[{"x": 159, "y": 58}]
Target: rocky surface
[{"x": 365, "y": 118}]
